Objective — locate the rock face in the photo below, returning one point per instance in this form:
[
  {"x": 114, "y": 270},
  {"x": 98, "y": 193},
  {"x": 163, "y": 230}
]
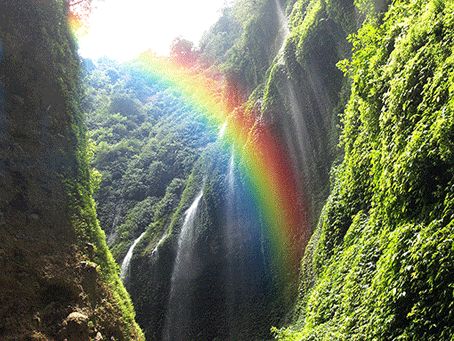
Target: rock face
[
  {"x": 46, "y": 211},
  {"x": 75, "y": 327}
]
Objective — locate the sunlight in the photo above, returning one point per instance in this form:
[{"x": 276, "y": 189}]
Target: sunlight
[{"x": 121, "y": 30}]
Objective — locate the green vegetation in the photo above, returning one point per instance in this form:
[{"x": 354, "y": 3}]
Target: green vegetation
[
  {"x": 146, "y": 140},
  {"x": 305, "y": 93},
  {"x": 252, "y": 54},
  {"x": 383, "y": 262},
  {"x": 154, "y": 155},
  {"x": 379, "y": 261},
  {"x": 217, "y": 41},
  {"x": 58, "y": 278},
  {"x": 148, "y": 145},
  {"x": 379, "y": 264}
]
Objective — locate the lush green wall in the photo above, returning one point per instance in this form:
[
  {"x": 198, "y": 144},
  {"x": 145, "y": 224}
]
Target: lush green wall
[
  {"x": 148, "y": 141},
  {"x": 382, "y": 255},
  {"x": 305, "y": 93}
]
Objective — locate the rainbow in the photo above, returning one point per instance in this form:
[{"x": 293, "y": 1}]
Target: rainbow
[
  {"x": 78, "y": 21},
  {"x": 274, "y": 184}
]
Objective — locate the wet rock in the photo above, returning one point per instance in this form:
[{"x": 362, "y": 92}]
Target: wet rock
[{"x": 75, "y": 327}]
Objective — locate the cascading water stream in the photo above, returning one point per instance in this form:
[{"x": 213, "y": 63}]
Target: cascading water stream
[
  {"x": 127, "y": 259},
  {"x": 301, "y": 147},
  {"x": 230, "y": 231},
  {"x": 155, "y": 252},
  {"x": 222, "y": 130},
  {"x": 245, "y": 264},
  {"x": 301, "y": 103},
  {"x": 184, "y": 271},
  {"x": 231, "y": 176},
  {"x": 221, "y": 285},
  {"x": 283, "y": 23},
  {"x": 282, "y": 18},
  {"x": 231, "y": 221}
]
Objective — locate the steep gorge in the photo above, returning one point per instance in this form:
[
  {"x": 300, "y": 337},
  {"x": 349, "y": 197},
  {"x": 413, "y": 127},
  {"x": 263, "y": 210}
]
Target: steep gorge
[
  {"x": 238, "y": 289},
  {"x": 209, "y": 198},
  {"x": 362, "y": 275}
]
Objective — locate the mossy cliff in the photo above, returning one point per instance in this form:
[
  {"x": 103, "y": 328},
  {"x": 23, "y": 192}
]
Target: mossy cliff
[
  {"x": 58, "y": 279},
  {"x": 304, "y": 94},
  {"x": 381, "y": 261},
  {"x": 378, "y": 266},
  {"x": 284, "y": 66}
]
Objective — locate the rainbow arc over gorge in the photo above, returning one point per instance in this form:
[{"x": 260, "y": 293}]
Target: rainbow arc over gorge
[{"x": 275, "y": 184}]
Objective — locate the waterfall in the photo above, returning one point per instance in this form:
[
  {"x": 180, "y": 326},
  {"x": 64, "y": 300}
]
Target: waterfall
[
  {"x": 246, "y": 276},
  {"x": 155, "y": 252},
  {"x": 113, "y": 229},
  {"x": 185, "y": 240},
  {"x": 127, "y": 259},
  {"x": 231, "y": 174},
  {"x": 230, "y": 228},
  {"x": 282, "y": 18},
  {"x": 230, "y": 231},
  {"x": 184, "y": 272},
  {"x": 222, "y": 130},
  {"x": 283, "y": 29}
]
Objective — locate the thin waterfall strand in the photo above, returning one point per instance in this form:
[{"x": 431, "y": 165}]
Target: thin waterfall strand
[
  {"x": 185, "y": 269},
  {"x": 127, "y": 259}
]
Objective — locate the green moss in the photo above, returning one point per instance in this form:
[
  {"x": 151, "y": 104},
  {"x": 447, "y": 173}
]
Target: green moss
[
  {"x": 304, "y": 93},
  {"x": 41, "y": 70},
  {"x": 254, "y": 52},
  {"x": 384, "y": 253}
]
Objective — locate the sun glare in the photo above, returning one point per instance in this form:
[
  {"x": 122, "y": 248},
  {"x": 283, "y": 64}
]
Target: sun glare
[{"x": 122, "y": 29}]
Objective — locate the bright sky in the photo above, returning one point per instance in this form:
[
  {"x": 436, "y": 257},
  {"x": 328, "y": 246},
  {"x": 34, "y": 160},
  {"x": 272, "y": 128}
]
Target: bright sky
[{"x": 121, "y": 29}]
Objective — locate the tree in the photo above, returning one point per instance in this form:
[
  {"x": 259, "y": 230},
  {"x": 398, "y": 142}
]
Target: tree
[{"x": 182, "y": 51}]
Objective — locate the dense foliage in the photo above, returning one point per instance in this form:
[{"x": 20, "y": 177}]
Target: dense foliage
[
  {"x": 383, "y": 262},
  {"x": 138, "y": 125},
  {"x": 145, "y": 141}
]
